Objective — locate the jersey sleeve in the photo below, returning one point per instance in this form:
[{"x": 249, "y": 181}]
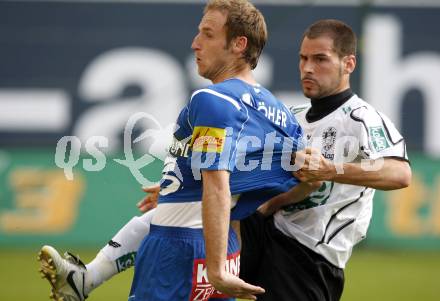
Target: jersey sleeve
[
  {"x": 378, "y": 136},
  {"x": 296, "y": 111},
  {"x": 298, "y": 135},
  {"x": 216, "y": 121}
]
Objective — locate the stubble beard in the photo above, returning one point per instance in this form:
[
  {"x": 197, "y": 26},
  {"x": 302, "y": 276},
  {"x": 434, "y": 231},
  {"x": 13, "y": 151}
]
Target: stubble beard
[{"x": 321, "y": 91}]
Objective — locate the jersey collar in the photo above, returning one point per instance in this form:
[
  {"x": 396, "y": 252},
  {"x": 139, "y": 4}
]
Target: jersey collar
[{"x": 323, "y": 106}]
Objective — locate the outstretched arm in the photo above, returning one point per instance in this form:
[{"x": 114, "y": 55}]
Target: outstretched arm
[{"x": 294, "y": 195}]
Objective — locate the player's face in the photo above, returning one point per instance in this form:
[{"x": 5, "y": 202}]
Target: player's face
[
  {"x": 323, "y": 72},
  {"x": 211, "y": 52}
]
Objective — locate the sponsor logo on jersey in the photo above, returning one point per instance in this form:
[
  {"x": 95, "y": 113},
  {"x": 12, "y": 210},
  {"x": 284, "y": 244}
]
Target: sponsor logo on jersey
[
  {"x": 328, "y": 143},
  {"x": 179, "y": 148},
  {"x": 202, "y": 290},
  {"x": 378, "y": 138},
  {"x": 208, "y": 139}
]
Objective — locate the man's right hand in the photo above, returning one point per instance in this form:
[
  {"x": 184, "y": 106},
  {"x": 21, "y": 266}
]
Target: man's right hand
[
  {"x": 235, "y": 287},
  {"x": 150, "y": 201}
]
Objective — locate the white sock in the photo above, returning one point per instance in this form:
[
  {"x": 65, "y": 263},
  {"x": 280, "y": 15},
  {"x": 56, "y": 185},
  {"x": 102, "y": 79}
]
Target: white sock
[
  {"x": 119, "y": 253},
  {"x": 99, "y": 270}
]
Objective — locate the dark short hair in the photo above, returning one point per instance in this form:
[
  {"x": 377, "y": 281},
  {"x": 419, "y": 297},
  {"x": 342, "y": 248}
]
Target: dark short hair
[
  {"x": 344, "y": 39},
  {"x": 243, "y": 19}
]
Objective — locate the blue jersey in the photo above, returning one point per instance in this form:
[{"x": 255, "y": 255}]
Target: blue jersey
[{"x": 237, "y": 127}]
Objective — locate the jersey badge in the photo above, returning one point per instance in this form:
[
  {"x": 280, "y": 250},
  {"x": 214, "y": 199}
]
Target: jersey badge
[
  {"x": 347, "y": 109},
  {"x": 328, "y": 142}
]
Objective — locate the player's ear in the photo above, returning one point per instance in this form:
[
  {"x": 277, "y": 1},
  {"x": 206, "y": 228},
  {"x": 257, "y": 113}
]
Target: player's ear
[
  {"x": 239, "y": 44},
  {"x": 349, "y": 63}
]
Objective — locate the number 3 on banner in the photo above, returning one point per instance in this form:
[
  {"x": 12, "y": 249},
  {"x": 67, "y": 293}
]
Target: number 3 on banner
[{"x": 46, "y": 202}]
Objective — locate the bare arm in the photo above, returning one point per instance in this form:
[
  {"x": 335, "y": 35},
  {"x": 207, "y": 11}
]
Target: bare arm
[
  {"x": 394, "y": 173},
  {"x": 294, "y": 195},
  {"x": 216, "y": 206}
]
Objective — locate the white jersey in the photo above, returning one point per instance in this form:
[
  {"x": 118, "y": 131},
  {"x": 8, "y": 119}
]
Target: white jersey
[{"x": 336, "y": 216}]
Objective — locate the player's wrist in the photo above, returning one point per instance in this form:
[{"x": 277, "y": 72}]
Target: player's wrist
[
  {"x": 216, "y": 276},
  {"x": 333, "y": 172}
]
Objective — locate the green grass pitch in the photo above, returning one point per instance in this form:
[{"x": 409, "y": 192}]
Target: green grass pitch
[{"x": 370, "y": 276}]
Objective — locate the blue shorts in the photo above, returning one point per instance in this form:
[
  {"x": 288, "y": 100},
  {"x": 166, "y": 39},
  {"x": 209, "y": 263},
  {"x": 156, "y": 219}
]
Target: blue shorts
[{"x": 170, "y": 265}]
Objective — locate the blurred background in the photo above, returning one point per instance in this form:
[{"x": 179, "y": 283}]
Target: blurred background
[{"x": 81, "y": 69}]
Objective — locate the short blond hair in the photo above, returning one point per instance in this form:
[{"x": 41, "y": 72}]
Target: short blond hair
[{"x": 243, "y": 19}]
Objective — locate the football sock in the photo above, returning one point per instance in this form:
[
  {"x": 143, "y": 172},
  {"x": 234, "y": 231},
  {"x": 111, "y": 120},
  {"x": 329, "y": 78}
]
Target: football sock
[
  {"x": 99, "y": 270},
  {"x": 119, "y": 254}
]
